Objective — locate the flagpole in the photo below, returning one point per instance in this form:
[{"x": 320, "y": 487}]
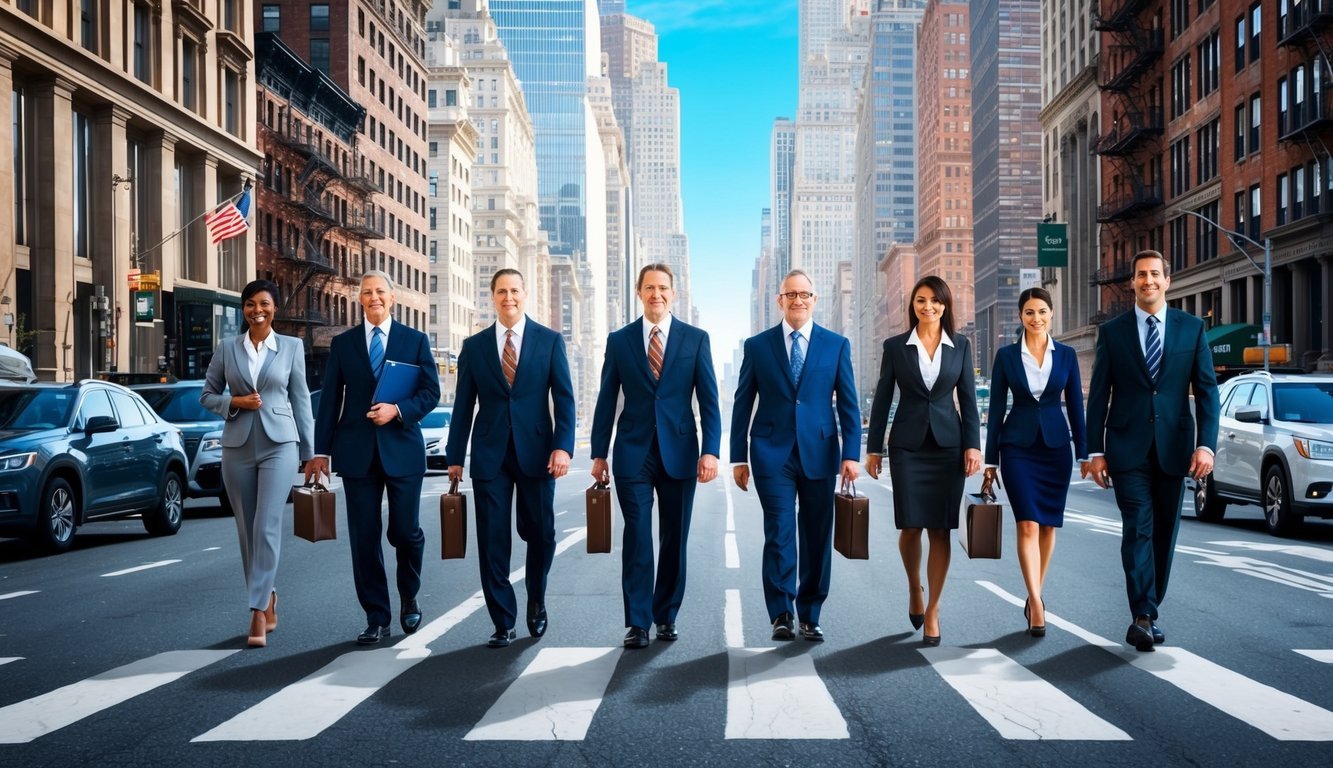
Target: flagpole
[{"x": 245, "y": 188}]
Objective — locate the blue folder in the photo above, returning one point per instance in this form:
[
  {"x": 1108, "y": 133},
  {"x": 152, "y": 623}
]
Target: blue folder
[{"x": 398, "y": 382}]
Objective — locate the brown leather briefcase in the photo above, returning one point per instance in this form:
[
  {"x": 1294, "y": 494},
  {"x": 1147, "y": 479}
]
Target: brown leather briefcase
[
  {"x": 851, "y": 524},
  {"x": 599, "y": 517},
  {"x": 314, "y": 513},
  {"x": 453, "y": 523},
  {"x": 981, "y": 524}
]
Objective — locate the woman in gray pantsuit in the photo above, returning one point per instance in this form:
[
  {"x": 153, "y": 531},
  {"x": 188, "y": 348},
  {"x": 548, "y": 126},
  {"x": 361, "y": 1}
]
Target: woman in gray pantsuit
[{"x": 268, "y": 433}]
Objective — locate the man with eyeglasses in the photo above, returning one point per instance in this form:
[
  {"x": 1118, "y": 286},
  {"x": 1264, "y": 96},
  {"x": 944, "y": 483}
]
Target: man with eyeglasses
[{"x": 801, "y": 375}]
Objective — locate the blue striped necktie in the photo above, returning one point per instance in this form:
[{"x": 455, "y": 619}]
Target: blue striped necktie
[
  {"x": 797, "y": 356},
  {"x": 1153, "y": 348},
  {"x": 376, "y": 350}
]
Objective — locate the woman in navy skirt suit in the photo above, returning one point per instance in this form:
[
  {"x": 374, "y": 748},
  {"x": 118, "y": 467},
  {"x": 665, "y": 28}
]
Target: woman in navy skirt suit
[{"x": 1031, "y": 443}]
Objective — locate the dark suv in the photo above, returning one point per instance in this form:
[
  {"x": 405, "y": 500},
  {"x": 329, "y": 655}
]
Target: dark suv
[
  {"x": 178, "y": 403},
  {"x": 75, "y": 453}
]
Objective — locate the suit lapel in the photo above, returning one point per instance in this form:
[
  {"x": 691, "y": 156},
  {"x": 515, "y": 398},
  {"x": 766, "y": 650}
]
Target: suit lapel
[
  {"x": 778, "y": 345},
  {"x": 948, "y": 364},
  {"x": 673, "y": 343},
  {"x": 243, "y": 360},
  {"x": 633, "y": 336},
  {"x": 492, "y": 357},
  {"x": 268, "y": 363}
]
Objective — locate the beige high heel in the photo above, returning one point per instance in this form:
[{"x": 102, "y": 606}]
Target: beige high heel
[
  {"x": 271, "y": 612},
  {"x": 258, "y": 635}
]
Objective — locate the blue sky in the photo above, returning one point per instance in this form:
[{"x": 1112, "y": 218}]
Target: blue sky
[{"x": 734, "y": 62}]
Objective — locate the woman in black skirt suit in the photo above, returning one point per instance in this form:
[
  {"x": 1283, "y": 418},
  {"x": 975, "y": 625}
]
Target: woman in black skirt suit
[
  {"x": 933, "y": 445},
  {"x": 1031, "y": 443}
]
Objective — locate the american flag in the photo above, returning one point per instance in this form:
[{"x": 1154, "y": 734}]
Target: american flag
[{"x": 229, "y": 220}]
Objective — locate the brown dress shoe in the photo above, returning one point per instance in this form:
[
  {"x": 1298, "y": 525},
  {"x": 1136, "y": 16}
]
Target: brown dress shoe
[
  {"x": 271, "y": 612},
  {"x": 258, "y": 633}
]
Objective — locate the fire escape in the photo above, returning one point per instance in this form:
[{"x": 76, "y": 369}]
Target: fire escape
[
  {"x": 1307, "y": 27},
  {"x": 1129, "y": 144}
]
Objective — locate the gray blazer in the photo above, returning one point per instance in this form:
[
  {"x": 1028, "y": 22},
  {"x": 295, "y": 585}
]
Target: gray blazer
[{"x": 285, "y": 415}]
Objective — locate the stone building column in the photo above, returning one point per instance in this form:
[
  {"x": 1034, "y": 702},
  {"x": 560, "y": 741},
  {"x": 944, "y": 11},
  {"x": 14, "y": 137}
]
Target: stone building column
[
  {"x": 1300, "y": 311},
  {"x": 111, "y": 224},
  {"x": 8, "y": 234},
  {"x": 52, "y": 251}
]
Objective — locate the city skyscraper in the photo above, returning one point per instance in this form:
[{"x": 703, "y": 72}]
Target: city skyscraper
[
  {"x": 782, "y": 164},
  {"x": 1006, "y": 160}
]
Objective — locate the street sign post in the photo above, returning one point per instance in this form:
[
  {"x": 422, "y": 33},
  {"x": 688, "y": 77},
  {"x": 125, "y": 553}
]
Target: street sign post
[{"x": 1052, "y": 244}]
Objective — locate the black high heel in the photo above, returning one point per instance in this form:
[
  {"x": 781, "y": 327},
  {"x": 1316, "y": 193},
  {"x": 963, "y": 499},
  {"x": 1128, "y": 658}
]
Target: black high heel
[
  {"x": 918, "y": 619},
  {"x": 1033, "y": 630}
]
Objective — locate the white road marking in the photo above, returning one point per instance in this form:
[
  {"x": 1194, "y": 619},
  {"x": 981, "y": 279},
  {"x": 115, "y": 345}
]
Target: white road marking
[
  {"x": 1017, "y": 703},
  {"x": 733, "y": 552},
  {"x": 211, "y": 549},
  {"x": 1296, "y": 550},
  {"x": 772, "y": 696},
  {"x": 1322, "y": 655},
  {"x": 307, "y": 707},
  {"x": 731, "y": 509},
  {"x": 1280, "y": 715},
  {"x": 6, "y": 659},
  {"x": 554, "y": 699},
  {"x": 27, "y": 720},
  {"x": 735, "y": 628},
  {"x": 137, "y": 568},
  {"x": 18, "y": 594}
]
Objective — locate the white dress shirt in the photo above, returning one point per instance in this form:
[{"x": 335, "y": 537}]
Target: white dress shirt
[
  {"x": 805, "y": 337},
  {"x": 930, "y": 368},
  {"x": 370, "y": 331},
  {"x": 1038, "y": 374},
  {"x": 663, "y": 328},
  {"x": 256, "y": 356},
  {"x": 518, "y": 330},
  {"x": 1141, "y": 322}
]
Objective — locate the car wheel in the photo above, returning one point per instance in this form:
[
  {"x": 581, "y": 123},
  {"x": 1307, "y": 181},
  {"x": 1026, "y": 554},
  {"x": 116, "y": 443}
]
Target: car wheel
[
  {"x": 1207, "y": 506},
  {"x": 165, "y": 519},
  {"x": 1278, "y": 515},
  {"x": 57, "y": 513}
]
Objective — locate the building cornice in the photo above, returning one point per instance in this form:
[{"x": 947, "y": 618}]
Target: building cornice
[{"x": 1073, "y": 93}]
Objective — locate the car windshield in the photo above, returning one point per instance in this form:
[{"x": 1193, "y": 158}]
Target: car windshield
[
  {"x": 436, "y": 419},
  {"x": 178, "y": 404},
  {"x": 36, "y": 409},
  {"x": 1304, "y": 402}
]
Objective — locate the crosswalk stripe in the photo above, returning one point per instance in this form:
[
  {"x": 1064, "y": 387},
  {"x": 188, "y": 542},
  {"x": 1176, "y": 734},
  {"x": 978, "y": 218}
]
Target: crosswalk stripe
[
  {"x": 26, "y": 720},
  {"x": 18, "y": 594},
  {"x": 1325, "y": 656},
  {"x": 137, "y": 568},
  {"x": 6, "y": 659},
  {"x": 1280, "y": 715},
  {"x": 735, "y": 629},
  {"x": 771, "y": 696},
  {"x": 733, "y": 559},
  {"x": 554, "y": 699},
  {"x": 307, "y": 707},
  {"x": 1017, "y": 703}
]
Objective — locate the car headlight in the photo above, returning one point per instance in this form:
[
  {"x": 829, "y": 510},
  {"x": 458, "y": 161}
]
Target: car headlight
[
  {"x": 1313, "y": 449},
  {"x": 211, "y": 444},
  {"x": 433, "y": 446},
  {"x": 17, "y": 461}
]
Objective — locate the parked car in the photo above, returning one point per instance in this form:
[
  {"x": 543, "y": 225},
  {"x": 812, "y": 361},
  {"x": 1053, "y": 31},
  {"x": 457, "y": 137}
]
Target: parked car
[
  {"x": 72, "y": 454},
  {"x": 1274, "y": 449},
  {"x": 435, "y": 431},
  {"x": 178, "y": 403}
]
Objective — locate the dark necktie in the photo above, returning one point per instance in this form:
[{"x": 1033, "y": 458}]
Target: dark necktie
[
  {"x": 377, "y": 350},
  {"x": 1153, "y": 349},
  {"x": 509, "y": 360},
  {"x": 655, "y": 352},
  {"x": 797, "y": 355}
]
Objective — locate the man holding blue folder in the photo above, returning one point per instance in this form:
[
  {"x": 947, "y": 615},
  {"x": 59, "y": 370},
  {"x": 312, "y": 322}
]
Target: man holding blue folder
[{"x": 380, "y": 381}]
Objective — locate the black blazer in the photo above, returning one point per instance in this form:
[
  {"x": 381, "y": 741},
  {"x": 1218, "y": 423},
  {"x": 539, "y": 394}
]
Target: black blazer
[
  {"x": 1018, "y": 427},
  {"x": 919, "y": 407}
]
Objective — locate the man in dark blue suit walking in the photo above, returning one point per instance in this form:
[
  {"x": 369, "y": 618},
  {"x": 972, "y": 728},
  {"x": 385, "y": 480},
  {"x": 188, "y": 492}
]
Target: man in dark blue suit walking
[
  {"x": 796, "y": 370},
  {"x": 378, "y": 447},
  {"x": 510, "y": 378},
  {"x": 660, "y": 364},
  {"x": 1143, "y": 438}
]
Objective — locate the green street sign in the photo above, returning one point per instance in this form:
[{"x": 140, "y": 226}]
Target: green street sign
[
  {"x": 1052, "y": 244},
  {"x": 144, "y": 305}
]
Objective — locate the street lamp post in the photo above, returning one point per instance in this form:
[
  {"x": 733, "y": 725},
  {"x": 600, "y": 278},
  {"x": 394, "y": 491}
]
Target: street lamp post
[{"x": 1266, "y": 270}]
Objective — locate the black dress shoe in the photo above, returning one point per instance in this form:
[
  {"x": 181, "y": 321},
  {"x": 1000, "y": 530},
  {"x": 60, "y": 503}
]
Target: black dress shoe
[
  {"x": 1158, "y": 636},
  {"x": 536, "y": 619},
  {"x": 502, "y": 638},
  {"x": 411, "y": 616},
  {"x": 784, "y": 627},
  {"x": 636, "y": 638},
  {"x": 667, "y": 632},
  {"x": 372, "y": 634},
  {"x": 811, "y": 631},
  {"x": 1139, "y": 634}
]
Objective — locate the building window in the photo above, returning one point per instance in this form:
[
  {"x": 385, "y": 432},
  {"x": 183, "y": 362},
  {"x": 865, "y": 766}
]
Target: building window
[
  {"x": 319, "y": 53},
  {"x": 1180, "y": 17},
  {"x": 272, "y": 21},
  {"x": 1209, "y": 53},
  {"x": 1255, "y": 209},
  {"x": 82, "y": 191},
  {"x": 319, "y": 18},
  {"x": 18, "y": 111},
  {"x": 1283, "y": 199},
  {"x": 1180, "y": 166},
  {"x": 231, "y": 102},
  {"x": 230, "y": 21},
  {"x": 1179, "y": 243},
  {"x": 1297, "y": 192},
  {"x": 1255, "y": 116},
  {"x": 1239, "y": 133},
  {"x": 1239, "y": 211},
  {"x": 1180, "y": 87},
  {"x": 1256, "y": 14},
  {"x": 1205, "y": 234},
  {"x": 189, "y": 81},
  {"x": 450, "y": 97},
  {"x": 1207, "y": 140},
  {"x": 1241, "y": 37},
  {"x": 88, "y": 24},
  {"x": 430, "y": 98},
  {"x": 143, "y": 43},
  {"x": 1283, "y": 113}
]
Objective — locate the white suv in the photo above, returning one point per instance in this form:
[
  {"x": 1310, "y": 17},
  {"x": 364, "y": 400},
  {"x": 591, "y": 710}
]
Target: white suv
[{"x": 1274, "y": 449}]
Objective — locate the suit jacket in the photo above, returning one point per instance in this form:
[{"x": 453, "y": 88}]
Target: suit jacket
[
  {"x": 342, "y": 430},
  {"x": 285, "y": 414},
  {"x": 796, "y": 414},
  {"x": 660, "y": 407},
  {"x": 919, "y": 407},
  {"x": 1018, "y": 427},
  {"x": 1127, "y": 411},
  {"x": 523, "y": 412}
]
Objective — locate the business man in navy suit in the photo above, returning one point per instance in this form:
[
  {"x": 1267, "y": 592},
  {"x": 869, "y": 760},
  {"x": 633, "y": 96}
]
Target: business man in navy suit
[
  {"x": 1143, "y": 438},
  {"x": 513, "y": 377},
  {"x": 377, "y": 447},
  {"x": 796, "y": 370},
  {"x": 660, "y": 364}
]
